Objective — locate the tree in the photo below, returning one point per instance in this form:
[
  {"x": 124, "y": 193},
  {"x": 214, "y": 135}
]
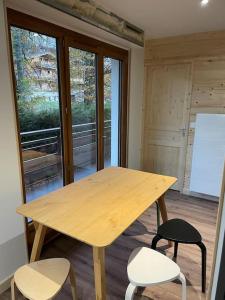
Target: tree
[
  {"x": 28, "y": 47},
  {"x": 33, "y": 54}
]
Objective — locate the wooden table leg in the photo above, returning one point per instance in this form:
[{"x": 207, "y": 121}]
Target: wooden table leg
[
  {"x": 73, "y": 284},
  {"x": 38, "y": 242},
  {"x": 162, "y": 207},
  {"x": 99, "y": 272},
  {"x": 13, "y": 290},
  {"x": 163, "y": 211},
  {"x": 35, "y": 225}
]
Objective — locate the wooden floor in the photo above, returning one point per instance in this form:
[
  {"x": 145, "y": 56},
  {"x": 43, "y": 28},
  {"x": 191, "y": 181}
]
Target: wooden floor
[{"x": 199, "y": 212}]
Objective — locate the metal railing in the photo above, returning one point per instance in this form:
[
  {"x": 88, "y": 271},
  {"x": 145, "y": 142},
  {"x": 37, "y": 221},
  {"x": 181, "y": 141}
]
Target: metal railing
[
  {"x": 42, "y": 150},
  {"x": 44, "y": 138}
]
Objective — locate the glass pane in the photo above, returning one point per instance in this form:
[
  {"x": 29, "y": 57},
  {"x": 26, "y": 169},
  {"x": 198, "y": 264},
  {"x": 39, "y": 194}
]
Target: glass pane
[
  {"x": 111, "y": 111},
  {"x": 36, "y": 73},
  {"x": 83, "y": 105}
]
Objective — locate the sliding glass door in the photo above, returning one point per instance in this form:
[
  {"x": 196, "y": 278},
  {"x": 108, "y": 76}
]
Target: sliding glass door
[
  {"x": 71, "y": 102},
  {"x": 38, "y": 110},
  {"x": 112, "y": 86},
  {"x": 95, "y": 102},
  {"x": 82, "y": 67}
]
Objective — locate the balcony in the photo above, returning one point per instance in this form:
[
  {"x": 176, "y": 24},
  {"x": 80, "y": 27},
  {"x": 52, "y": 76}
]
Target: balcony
[{"x": 42, "y": 156}]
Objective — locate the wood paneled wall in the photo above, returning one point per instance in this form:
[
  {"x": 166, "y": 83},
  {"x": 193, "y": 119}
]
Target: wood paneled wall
[{"x": 205, "y": 52}]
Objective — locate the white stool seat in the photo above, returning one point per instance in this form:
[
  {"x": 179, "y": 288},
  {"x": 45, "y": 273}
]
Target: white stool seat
[
  {"x": 43, "y": 279},
  {"x": 148, "y": 267}
]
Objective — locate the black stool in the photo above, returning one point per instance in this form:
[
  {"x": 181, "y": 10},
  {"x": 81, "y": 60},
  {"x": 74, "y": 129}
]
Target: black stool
[{"x": 179, "y": 231}]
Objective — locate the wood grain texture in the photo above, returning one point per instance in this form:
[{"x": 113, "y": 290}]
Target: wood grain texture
[
  {"x": 205, "y": 53},
  {"x": 73, "y": 284},
  {"x": 167, "y": 101},
  {"x": 38, "y": 242},
  {"x": 13, "y": 290},
  {"x": 200, "y": 213},
  {"x": 48, "y": 275},
  {"x": 99, "y": 270},
  {"x": 97, "y": 209},
  {"x": 162, "y": 207},
  {"x": 186, "y": 46},
  {"x": 208, "y": 96},
  {"x": 163, "y": 211}
]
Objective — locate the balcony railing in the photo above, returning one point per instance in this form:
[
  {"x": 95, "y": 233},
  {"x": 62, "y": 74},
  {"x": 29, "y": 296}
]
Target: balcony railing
[{"x": 42, "y": 152}]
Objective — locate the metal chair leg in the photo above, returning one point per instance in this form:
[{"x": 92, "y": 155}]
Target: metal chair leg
[
  {"x": 175, "y": 249},
  {"x": 155, "y": 241},
  {"x": 204, "y": 253},
  {"x": 130, "y": 292},
  {"x": 184, "y": 287}
]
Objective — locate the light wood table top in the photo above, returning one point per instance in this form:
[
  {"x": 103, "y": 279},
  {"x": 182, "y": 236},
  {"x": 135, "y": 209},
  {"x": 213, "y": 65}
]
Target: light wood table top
[{"x": 97, "y": 209}]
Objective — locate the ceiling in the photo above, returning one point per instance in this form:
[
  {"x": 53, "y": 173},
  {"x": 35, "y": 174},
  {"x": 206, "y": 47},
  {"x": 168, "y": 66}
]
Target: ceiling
[{"x": 161, "y": 18}]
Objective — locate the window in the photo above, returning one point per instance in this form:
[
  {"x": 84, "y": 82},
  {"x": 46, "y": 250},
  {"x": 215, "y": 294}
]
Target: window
[
  {"x": 38, "y": 116},
  {"x": 112, "y": 87},
  {"x": 71, "y": 102},
  {"x": 83, "y": 111}
]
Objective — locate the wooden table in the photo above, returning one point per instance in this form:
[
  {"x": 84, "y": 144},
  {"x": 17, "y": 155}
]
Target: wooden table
[{"x": 96, "y": 210}]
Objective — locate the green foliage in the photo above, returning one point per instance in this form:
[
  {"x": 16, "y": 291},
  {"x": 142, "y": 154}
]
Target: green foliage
[
  {"x": 107, "y": 110},
  {"x": 40, "y": 113},
  {"x": 36, "y": 113}
]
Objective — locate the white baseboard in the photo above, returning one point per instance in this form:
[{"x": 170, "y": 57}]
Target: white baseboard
[
  {"x": 5, "y": 284},
  {"x": 199, "y": 195},
  {"x": 13, "y": 255}
]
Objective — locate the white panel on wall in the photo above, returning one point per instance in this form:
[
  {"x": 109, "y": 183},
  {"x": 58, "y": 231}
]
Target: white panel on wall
[{"x": 208, "y": 154}]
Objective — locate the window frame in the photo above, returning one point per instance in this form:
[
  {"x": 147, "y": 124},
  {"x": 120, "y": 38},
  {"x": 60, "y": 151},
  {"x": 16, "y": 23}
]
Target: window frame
[
  {"x": 64, "y": 39},
  {"x": 67, "y": 38}
]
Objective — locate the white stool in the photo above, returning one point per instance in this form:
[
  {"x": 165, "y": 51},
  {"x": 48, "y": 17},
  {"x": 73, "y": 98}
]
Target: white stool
[
  {"x": 147, "y": 267},
  {"x": 42, "y": 280}
]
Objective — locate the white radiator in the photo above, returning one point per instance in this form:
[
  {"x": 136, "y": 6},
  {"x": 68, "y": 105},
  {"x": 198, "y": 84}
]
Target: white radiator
[{"x": 208, "y": 154}]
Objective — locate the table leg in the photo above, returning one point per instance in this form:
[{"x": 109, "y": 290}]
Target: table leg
[
  {"x": 163, "y": 211},
  {"x": 35, "y": 225},
  {"x": 99, "y": 272},
  {"x": 38, "y": 242},
  {"x": 162, "y": 207}
]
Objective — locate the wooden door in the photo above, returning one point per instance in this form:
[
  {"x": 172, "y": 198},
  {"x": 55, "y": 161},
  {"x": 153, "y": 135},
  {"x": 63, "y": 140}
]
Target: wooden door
[{"x": 166, "y": 119}]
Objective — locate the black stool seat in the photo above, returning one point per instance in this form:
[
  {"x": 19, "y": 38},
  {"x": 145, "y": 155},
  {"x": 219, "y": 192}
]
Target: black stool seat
[{"x": 180, "y": 231}]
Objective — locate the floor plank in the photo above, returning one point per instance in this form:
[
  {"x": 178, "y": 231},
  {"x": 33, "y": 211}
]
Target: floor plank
[{"x": 200, "y": 213}]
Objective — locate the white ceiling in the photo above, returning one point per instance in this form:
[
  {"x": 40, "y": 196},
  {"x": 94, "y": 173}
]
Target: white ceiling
[{"x": 160, "y": 18}]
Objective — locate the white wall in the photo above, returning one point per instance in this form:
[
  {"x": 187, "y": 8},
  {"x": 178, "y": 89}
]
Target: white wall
[
  {"x": 115, "y": 87},
  {"x": 136, "y": 107},
  {"x": 12, "y": 240}
]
